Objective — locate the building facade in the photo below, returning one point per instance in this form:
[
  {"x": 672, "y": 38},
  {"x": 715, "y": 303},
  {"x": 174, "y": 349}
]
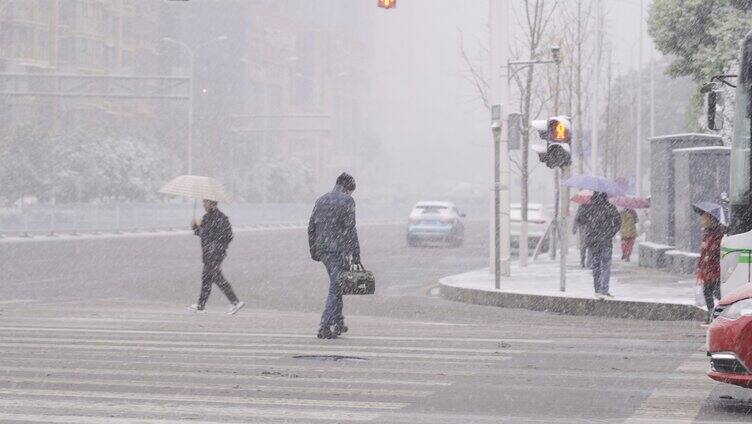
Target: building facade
[{"x": 75, "y": 37}]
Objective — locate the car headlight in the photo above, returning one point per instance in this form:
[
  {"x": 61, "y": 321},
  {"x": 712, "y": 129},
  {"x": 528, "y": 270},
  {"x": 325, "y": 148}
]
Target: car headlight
[
  {"x": 729, "y": 262},
  {"x": 742, "y": 308}
]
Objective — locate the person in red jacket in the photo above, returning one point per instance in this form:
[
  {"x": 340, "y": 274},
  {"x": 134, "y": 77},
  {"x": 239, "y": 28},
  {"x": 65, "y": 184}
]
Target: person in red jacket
[{"x": 709, "y": 265}]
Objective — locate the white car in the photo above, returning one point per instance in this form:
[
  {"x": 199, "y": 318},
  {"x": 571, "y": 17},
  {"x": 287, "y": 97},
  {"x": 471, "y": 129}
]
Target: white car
[{"x": 433, "y": 221}]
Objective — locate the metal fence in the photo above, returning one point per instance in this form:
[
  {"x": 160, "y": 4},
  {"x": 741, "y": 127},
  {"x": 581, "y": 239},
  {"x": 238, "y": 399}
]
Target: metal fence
[{"x": 38, "y": 220}]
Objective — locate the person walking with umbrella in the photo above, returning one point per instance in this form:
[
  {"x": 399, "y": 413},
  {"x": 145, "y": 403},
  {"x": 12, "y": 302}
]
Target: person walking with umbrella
[
  {"x": 712, "y": 221},
  {"x": 333, "y": 240},
  {"x": 601, "y": 222},
  {"x": 215, "y": 232}
]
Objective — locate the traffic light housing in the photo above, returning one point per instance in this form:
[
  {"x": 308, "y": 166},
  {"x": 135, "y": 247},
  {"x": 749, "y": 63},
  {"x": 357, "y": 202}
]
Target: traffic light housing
[
  {"x": 557, "y": 132},
  {"x": 387, "y": 4}
]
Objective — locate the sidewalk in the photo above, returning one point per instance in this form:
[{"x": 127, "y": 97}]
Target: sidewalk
[{"x": 638, "y": 292}]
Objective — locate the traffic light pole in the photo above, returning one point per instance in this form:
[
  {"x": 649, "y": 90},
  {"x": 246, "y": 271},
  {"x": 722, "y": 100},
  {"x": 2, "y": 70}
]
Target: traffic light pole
[
  {"x": 563, "y": 227},
  {"x": 555, "y": 229},
  {"x": 499, "y": 14},
  {"x": 496, "y": 129}
]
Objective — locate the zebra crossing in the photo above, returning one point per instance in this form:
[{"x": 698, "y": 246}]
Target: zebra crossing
[{"x": 74, "y": 364}]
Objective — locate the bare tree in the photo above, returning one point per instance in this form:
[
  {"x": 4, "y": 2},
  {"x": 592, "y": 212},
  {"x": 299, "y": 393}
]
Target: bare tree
[
  {"x": 534, "y": 19},
  {"x": 474, "y": 72},
  {"x": 577, "y": 30}
]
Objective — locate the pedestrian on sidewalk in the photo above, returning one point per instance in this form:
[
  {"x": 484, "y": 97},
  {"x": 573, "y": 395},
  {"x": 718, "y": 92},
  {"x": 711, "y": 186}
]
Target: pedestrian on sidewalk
[
  {"x": 709, "y": 265},
  {"x": 628, "y": 234},
  {"x": 580, "y": 231},
  {"x": 333, "y": 240},
  {"x": 215, "y": 232},
  {"x": 601, "y": 221}
]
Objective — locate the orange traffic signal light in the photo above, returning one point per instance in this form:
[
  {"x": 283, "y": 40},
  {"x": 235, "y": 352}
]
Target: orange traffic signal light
[
  {"x": 387, "y": 4},
  {"x": 558, "y": 130}
]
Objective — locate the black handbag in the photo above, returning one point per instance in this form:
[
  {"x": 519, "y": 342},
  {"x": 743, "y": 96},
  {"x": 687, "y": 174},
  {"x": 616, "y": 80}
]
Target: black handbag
[{"x": 356, "y": 280}]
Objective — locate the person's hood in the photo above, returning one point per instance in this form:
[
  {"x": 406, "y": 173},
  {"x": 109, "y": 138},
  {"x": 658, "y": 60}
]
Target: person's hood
[{"x": 599, "y": 199}]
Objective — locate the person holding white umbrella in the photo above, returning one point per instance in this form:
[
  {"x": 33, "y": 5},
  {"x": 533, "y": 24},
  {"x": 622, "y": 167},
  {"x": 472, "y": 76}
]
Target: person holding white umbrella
[{"x": 215, "y": 232}]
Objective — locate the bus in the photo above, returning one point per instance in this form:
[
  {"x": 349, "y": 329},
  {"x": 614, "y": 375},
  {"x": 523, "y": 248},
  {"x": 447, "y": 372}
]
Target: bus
[{"x": 736, "y": 247}]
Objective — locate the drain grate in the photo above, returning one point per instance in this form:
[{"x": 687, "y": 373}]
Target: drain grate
[{"x": 330, "y": 357}]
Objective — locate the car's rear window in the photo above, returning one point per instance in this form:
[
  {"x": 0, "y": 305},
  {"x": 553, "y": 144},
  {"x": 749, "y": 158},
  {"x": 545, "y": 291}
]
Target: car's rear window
[{"x": 431, "y": 209}]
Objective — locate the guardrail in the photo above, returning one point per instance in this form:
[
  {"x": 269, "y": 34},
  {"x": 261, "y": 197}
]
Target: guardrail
[{"x": 48, "y": 220}]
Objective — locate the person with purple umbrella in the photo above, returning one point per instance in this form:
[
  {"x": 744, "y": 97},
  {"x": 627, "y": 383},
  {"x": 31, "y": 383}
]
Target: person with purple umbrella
[{"x": 713, "y": 221}]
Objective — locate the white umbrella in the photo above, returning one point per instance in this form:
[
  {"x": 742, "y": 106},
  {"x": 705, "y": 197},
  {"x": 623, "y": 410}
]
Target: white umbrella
[{"x": 196, "y": 187}]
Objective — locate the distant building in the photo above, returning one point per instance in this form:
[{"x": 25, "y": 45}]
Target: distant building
[
  {"x": 286, "y": 84},
  {"x": 79, "y": 37},
  {"x": 275, "y": 83}
]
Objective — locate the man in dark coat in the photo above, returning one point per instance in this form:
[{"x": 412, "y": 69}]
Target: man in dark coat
[
  {"x": 215, "y": 232},
  {"x": 600, "y": 221},
  {"x": 333, "y": 240}
]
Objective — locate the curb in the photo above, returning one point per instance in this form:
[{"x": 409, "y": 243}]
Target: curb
[{"x": 626, "y": 309}]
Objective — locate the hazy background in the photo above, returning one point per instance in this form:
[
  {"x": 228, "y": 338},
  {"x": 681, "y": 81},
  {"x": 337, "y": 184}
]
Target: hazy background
[{"x": 286, "y": 95}]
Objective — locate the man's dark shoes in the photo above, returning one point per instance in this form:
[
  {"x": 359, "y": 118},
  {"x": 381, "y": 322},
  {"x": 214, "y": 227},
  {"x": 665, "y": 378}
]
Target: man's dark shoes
[
  {"x": 340, "y": 328},
  {"x": 326, "y": 333}
]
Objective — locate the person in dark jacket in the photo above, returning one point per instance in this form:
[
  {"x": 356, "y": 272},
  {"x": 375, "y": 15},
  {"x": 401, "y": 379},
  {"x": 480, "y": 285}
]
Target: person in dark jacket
[
  {"x": 709, "y": 265},
  {"x": 600, "y": 221},
  {"x": 581, "y": 234},
  {"x": 215, "y": 232},
  {"x": 333, "y": 240}
]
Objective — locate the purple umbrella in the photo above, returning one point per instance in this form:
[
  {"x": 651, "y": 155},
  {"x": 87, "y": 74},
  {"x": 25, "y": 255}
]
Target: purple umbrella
[
  {"x": 713, "y": 209},
  {"x": 595, "y": 183}
]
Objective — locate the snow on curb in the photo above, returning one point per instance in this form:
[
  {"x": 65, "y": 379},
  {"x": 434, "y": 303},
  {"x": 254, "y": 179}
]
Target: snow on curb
[{"x": 467, "y": 288}]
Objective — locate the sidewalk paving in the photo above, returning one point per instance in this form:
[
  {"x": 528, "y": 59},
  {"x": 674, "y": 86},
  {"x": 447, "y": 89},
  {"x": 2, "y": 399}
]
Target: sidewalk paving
[{"x": 638, "y": 292}]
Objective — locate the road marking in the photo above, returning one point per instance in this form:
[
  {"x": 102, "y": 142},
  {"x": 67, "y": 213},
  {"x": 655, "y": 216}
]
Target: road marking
[
  {"x": 254, "y": 353},
  {"x": 201, "y": 399},
  {"x": 271, "y": 335},
  {"x": 680, "y": 397},
  {"x": 238, "y": 415},
  {"x": 177, "y": 386},
  {"x": 202, "y": 375},
  {"x": 236, "y": 345},
  {"x": 15, "y": 358}
]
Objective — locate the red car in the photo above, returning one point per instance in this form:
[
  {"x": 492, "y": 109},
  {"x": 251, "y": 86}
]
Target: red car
[{"x": 730, "y": 340}]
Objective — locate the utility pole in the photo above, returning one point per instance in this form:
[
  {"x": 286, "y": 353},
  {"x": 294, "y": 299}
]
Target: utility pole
[
  {"x": 594, "y": 162},
  {"x": 191, "y": 71},
  {"x": 499, "y": 48},
  {"x": 652, "y": 95},
  {"x": 638, "y": 156}
]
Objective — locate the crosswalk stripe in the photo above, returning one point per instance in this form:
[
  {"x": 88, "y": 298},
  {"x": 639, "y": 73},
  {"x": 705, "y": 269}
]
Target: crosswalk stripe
[
  {"x": 88, "y": 413},
  {"x": 269, "y": 335},
  {"x": 251, "y": 352},
  {"x": 201, "y": 375},
  {"x": 195, "y": 399},
  {"x": 141, "y": 383},
  {"x": 679, "y": 398},
  {"x": 239, "y": 344},
  {"x": 431, "y": 368}
]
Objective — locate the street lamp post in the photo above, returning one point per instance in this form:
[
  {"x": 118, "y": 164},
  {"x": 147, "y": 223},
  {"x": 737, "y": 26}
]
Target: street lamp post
[{"x": 191, "y": 68}]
